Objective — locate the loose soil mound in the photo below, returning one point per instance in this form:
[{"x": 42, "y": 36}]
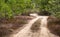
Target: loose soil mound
[{"x": 54, "y": 25}]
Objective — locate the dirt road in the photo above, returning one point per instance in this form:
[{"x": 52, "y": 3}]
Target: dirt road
[
  {"x": 26, "y": 31},
  {"x": 43, "y": 32}
]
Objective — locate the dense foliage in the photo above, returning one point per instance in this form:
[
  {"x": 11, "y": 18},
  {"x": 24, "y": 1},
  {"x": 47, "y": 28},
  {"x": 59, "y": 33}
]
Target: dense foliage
[
  {"x": 9, "y": 8},
  {"x": 51, "y": 6}
]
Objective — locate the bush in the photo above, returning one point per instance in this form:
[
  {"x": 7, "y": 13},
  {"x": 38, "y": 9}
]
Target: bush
[{"x": 5, "y": 11}]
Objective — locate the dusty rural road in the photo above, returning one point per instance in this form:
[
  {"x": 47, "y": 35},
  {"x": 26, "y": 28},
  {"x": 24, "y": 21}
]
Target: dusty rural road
[{"x": 43, "y": 32}]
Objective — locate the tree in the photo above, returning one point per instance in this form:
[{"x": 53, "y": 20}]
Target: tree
[
  {"x": 50, "y": 6},
  {"x": 5, "y": 11},
  {"x": 9, "y": 8}
]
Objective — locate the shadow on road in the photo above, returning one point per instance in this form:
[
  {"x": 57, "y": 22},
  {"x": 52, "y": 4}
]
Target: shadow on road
[{"x": 36, "y": 26}]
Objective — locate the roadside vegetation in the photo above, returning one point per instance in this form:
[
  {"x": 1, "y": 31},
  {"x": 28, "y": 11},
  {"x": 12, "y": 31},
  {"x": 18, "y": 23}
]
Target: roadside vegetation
[{"x": 11, "y": 8}]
